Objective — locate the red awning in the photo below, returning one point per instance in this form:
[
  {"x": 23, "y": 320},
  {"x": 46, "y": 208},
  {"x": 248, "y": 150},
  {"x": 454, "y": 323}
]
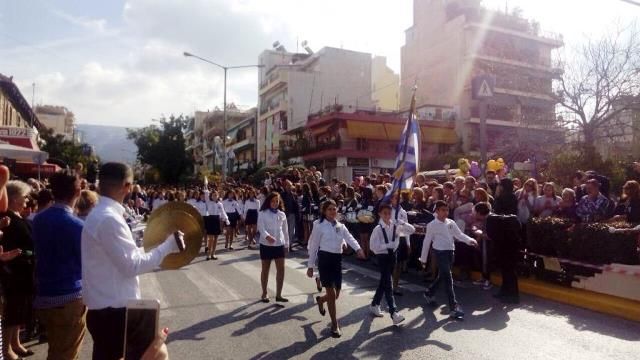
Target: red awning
[
  {"x": 22, "y": 142},
  {"x": 25, "y": 169}
]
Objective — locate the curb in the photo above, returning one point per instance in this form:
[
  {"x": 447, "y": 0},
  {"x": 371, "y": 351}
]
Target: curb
[{"x": 602, "y": 303}]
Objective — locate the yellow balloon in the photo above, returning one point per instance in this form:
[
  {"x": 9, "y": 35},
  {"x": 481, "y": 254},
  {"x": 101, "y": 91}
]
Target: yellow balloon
[{"x": 492, "y": 165}]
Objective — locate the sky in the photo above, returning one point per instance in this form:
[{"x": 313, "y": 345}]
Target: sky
[{"x": 120, "y": 62}]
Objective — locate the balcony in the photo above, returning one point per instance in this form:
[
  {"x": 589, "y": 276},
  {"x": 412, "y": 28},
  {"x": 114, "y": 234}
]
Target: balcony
[
  {"x": 274, "y": 80},
  {"x": 302, "y": 147},
  {"x": 274, "y": 108},
  {"x": 238, "y": 144}
]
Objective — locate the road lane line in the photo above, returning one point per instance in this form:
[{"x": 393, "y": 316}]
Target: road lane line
[
  {"x": 224, "y": 297},
  {"x": 150, "y": 289}
]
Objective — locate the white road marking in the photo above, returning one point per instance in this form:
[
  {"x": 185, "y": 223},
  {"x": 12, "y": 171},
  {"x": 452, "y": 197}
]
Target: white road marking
[
  {"x": 150, "y": 289},
  {"x": 218, "y": 293}
]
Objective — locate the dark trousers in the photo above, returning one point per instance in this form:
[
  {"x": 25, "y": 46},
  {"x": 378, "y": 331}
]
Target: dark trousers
[
  {"x": 386, "y": 263},
  {"x": 445, "y": 260},
  {"x": 507, "y": 261},
  {"x": 106, "y": 327}
]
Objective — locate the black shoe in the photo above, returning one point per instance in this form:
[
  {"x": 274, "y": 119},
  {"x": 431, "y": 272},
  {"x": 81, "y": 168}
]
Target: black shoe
[
  {"x": 214, "y": 257},
  {"x": 208, "y": 258},
  {"x": 206, "y": 249},
  {"x": 265, "y": 300},
  {"x": 281, "y": 299},
  {"x": 24, "y": 353},
  {"x": 336, "y": 333}
]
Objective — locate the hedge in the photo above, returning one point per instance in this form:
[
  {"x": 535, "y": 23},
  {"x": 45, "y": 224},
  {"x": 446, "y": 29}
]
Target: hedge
[{"x": 590, "y": 243}]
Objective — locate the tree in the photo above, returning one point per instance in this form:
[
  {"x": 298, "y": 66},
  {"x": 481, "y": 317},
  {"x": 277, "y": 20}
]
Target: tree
[
  {"x": 66, "y": 151},
  {"x": 162, "y": 146},
  {"x": 601, "y": 82}
]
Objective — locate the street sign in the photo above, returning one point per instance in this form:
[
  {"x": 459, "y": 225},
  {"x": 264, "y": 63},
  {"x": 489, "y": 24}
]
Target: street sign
[{"x": 482, "y": 86}]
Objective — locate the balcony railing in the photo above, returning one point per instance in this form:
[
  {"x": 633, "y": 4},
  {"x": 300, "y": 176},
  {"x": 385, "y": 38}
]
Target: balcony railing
[{"x": 302, "y": 147}]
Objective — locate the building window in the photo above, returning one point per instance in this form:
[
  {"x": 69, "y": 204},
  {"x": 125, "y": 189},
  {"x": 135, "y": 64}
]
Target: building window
[
  {"x": 283, "y": 122},
  {"x": 362, "y": 144}
]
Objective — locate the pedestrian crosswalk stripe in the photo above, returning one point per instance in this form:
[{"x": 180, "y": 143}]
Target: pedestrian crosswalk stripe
[
  {"x": 218, "y": 293},
  {"x": 150, "y": 289}
]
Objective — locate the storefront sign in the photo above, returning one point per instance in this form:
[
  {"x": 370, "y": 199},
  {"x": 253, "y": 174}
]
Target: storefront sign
[{"x": 14, "y": 132}]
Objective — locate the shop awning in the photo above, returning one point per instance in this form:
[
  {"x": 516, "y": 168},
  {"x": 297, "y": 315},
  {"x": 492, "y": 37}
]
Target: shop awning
[
  {"x": 436, "y": 135},
  {"x": 366, "y": 130},
  {"x": 22, "y": 153}
]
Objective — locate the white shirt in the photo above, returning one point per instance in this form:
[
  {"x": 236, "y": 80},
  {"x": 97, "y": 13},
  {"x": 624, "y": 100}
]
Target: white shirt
[
  {"x": 111, "y": 261},
  {"x": 158, "y": 202},
  {"x": 231, "y": 206},
  {"x": 402, "y": 215},
  {"x": 215, "y": 208},
  {"x": 443, "y": 235},
  {"x": 377, "y": 243},
  {"x": 250, "y": 205},
  {"x": 274, "y": 225},
  {"x": 328, "y": 237},
  {"x": 201, "y": 206}
]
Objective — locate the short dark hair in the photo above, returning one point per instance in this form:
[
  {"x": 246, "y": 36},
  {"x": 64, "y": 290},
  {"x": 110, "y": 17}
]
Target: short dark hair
[
  {"x": 114, "y": 174},
  {"x": 44, "y": 197},
  {"x": 440, "y": 204},
  {"x": 384, "y": 206},
  {"x": 482, "y": 208},
  {"x": 63, "y": 185},
  {"x": 490, "y": 172}
]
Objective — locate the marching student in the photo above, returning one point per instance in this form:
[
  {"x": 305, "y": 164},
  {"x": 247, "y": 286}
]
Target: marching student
[
  {"x": 403, "y": 247},
  {"x": 216, "y": 213},
  {"x": 250, "y": 217},
  {"x": 325, "y": 245},
  {"x": 274, "y": 243},
  {"x": 384, "y": 243},
  {"x": 232, "y": 208},
  {"x": 442, "y": 233},
  {"x": 199, "y": 202}
]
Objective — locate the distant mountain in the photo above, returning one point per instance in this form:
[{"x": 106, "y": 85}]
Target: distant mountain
[{"x": 109, "y": 142}]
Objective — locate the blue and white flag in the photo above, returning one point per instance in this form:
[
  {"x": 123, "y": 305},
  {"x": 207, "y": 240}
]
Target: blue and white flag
[{"x": 408, "y": 158}]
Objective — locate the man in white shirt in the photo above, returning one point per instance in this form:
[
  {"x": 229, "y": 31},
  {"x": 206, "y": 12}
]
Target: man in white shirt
[
  {"x": 111, "y": 262},
  {"x": 442, "y": 233}
]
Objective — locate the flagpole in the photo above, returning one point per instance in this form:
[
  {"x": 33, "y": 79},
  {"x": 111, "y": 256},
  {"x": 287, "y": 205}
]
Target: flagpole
[{"x": 412, "y": 109}]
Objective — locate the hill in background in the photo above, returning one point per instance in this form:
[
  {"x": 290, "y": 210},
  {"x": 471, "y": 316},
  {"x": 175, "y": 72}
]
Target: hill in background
[{"x": 109, "y": 142}]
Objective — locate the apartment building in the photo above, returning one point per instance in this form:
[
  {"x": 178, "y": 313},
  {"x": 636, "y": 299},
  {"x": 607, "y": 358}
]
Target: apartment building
[{"x": 58, "y": 118}]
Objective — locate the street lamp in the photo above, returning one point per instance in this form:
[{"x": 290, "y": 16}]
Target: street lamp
[{"x": 224, "y": 111}]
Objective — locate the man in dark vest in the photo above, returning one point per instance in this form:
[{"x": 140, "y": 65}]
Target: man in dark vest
[{"x": 504, "y": 231}]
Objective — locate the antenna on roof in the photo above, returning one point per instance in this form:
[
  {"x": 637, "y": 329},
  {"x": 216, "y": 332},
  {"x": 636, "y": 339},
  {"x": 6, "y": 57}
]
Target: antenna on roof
[{"x": 305, "y": 45}]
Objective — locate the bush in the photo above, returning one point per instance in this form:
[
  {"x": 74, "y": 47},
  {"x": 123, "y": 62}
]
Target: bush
[{"x": 590, "y": 243}]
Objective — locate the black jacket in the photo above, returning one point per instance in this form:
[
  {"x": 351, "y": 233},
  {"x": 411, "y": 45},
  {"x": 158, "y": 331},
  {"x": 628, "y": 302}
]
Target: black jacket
[{"x": 504, "y": 231}]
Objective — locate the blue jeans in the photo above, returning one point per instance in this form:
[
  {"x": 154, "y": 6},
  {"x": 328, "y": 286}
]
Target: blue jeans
[
  {"x": 386, "y": 263},
  {"x": 445, "y": 261}
]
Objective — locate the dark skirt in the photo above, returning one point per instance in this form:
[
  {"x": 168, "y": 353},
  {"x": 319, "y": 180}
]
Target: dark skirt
[
  {"x": 252, "y": 217},
  {"x": 17, "y": 310},
  {"x": 233, "y": 219},
  {"x": 271, "y": 252},
  {"x": 330, "y": 269},
  {"x": 212, "y": 224}
]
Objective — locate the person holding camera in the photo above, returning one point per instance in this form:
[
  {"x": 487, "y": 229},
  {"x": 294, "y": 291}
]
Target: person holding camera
[{"x": 385, "y": 241}]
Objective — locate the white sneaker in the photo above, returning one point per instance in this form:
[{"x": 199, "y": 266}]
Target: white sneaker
[
  {"x": 375, "y": 310},
  {"x": 397, "y": 318},
  {"x": 487, "y": 285}
]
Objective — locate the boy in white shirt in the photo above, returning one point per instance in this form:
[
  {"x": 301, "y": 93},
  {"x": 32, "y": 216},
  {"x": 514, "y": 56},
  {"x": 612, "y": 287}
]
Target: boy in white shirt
[{"x": 442, "y": 233}]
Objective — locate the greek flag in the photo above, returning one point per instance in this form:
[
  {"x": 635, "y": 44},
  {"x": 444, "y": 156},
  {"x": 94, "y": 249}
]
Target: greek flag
[{"x": 408, "y": 158}]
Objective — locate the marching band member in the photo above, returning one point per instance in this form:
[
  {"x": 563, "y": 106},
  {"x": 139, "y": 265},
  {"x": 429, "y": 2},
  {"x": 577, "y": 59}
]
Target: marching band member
[
  {"x": 250, "y": 217},
  {"x": 232, "y": 208},
  {"x": 216, "y": 213},
  {"x": 385, "y": 241},
  {"x": 325, "y": 244},
  {"x": 274, "y": 243}
]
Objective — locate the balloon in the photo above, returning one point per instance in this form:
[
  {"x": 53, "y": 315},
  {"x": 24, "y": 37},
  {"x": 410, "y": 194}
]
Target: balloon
[
  {"x": 463, "y": 167},
  {"x": 492, "y": 165},
  {"x": 475, "y": 169}
]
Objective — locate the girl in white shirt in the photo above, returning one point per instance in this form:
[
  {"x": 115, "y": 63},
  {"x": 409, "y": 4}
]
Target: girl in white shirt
[
  {"x": 385, "y": 241},
  {"x": 215, "y": 214},
  {"x": 274, "y": 243},
  {"x": 325, "y": 245},
  {"x": 548, "y": 203},
  {"x": 232, "y": 208},
  {"x": 250, "y": 217},
  {"x": 199, "y": 202}
]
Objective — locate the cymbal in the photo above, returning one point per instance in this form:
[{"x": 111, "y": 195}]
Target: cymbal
[{"x": 166, "y": 220}]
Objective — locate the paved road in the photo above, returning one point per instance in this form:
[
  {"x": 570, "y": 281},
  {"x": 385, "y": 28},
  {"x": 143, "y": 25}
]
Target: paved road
[{"x": 212, "y": 311}]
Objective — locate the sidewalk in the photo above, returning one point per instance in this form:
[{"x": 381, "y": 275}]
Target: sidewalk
[{"x": 607, "y": 304}]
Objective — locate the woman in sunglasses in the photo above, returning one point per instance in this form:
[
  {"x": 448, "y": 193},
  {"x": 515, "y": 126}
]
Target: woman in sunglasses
[{"x": 325, "y": 245}]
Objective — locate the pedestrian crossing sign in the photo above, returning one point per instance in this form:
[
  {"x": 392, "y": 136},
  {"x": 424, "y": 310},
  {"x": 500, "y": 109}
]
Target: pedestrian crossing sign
[{"x": 483, "y": 86}]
